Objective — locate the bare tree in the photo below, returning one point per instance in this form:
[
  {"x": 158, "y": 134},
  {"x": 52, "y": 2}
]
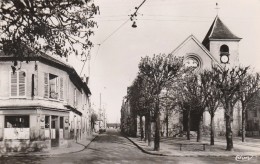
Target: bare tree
[
  {"x": 250, "y": 86},
  {"x": 61, "y": 27},
  {"x": 212, "y": 96},
  {"x": 228, "y": 81},
  {"x": 159, "y": 71},
  {"x": 141, "y": 101}
]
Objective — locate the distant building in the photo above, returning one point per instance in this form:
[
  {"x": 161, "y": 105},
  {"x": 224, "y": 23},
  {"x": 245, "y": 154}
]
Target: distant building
[
  {"x": 113, "y": 125},
  {"x": 43, "y": 103},
  {"x": 253, "y": 116},
  {"x": 128, "y": 119}
]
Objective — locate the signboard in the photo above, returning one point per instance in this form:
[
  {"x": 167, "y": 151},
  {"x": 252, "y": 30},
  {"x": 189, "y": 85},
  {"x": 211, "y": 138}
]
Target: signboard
[
  {"x": 16, "y": 133},
  {"x": 47, "y": 133}
]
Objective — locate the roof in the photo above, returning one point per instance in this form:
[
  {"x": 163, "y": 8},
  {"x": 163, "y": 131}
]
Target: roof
[
  {"x": 218, "y": 30},
  {"x": 200, "y": 45},
  {"x": 75, "y": 78}
]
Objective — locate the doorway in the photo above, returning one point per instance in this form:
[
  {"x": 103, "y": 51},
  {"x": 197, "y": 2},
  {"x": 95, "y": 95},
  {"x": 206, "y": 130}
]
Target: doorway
[{"x": 54, "y": 131}]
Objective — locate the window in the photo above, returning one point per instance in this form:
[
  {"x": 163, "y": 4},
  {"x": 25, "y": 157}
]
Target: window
[
  {"x": 18, "y": 83},
  {"x": 61, "y": 123},
  {"x": 47, "y": 122},
  {"x": 61, "y": 89},
  {"x": 53, "y": 86},
  {"x": 193, "y": 61},
  {"x": 16, "y": 121},
  {"x": 224, "y": 48}
]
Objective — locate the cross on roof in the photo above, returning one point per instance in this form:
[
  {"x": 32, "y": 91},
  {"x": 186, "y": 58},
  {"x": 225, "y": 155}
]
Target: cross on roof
[{"x": 217, "y": 8}]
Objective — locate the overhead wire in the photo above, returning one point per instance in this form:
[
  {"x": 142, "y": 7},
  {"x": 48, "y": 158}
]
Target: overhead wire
[{"x": 111, "y": 34}]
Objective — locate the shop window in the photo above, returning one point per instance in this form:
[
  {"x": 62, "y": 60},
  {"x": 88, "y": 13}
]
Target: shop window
[
  {"x": 18, "y": 83},
  {"x": 47, "y": 122},
  {"x": 16, "y": 121}
]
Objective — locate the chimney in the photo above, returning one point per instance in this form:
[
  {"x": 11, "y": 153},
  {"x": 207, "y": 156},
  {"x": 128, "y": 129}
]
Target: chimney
[{"x": 87, "y": 79}]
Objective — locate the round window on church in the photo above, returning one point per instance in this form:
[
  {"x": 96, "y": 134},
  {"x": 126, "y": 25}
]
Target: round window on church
[{"x": 192, "y": 61}]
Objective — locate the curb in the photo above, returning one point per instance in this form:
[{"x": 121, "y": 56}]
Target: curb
[
  {"x": 85, "y": 147},
  {"x": 144, "y": 151},
  {"x": 199, "y": 155},
  {"x": 48, "y": 155}
]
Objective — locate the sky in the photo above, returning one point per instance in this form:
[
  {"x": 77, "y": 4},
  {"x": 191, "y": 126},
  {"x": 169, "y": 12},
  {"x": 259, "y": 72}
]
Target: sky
[{"x": 161, "y": 26}]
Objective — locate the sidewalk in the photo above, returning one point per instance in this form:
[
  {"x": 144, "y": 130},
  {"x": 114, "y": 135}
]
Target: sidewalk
[
  {"x": 73, "y": 146},
  {"x": 171, "y": 147}
]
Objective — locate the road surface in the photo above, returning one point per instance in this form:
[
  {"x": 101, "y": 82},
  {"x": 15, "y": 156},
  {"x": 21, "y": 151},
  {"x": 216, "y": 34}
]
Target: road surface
[{"x": 112, "y": 148}]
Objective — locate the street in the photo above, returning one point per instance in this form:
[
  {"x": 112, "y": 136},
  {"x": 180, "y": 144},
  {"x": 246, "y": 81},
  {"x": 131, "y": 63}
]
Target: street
[{"x": 111, "y": 147}]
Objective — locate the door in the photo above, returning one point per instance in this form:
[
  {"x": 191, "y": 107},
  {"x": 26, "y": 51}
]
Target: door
[{"x": 54, "y": 131}]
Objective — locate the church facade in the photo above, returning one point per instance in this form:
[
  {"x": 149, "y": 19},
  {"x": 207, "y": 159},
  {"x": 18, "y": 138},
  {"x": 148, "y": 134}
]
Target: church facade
[{"x": 220, "y": 47}]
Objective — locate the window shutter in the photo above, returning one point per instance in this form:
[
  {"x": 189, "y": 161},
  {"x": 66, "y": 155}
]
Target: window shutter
[
  {"x": 46, "y": 85},
  {"x": 61, "y": 88},
  {"x": 22, "y": 76},
  {"x": 75, "y": 97},
  {"x": 13, "y": 84}
]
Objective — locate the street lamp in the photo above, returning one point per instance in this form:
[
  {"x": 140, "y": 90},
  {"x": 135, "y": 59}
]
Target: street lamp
[{"x": 134, "y": 24}]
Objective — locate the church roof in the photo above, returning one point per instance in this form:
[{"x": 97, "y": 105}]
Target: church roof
[
  {"x": 218, "y": 30},
  {"x": 192, "y": 37}
]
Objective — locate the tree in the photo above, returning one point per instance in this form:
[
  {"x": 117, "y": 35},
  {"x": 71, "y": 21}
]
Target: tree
[
  {"x": 159, "y": 71},
  {"x": 61, "y": 27},
  {"x": 141, "y": 100},
  {"x": 228, "y": 81},
  {"x": 168, "y": 104},
  {"x": 184, "y": 105},
  {"x": 213, "y": 101},
  {"x": 250, "y": 86}
]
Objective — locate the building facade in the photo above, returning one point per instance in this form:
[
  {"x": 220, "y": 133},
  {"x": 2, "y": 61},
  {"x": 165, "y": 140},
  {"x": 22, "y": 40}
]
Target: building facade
[
  {"x": 128, "y": 124},
  {"x": 43, "y": 103},
  {"x": 220, "y": 48}
]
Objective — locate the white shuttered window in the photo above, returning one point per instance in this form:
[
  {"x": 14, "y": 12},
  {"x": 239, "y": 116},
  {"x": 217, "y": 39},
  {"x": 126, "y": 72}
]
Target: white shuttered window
[
  {"x": 46, "y": 85},
  {"x": 61, "y": 88},
  {"x": 18, "y": 84}
]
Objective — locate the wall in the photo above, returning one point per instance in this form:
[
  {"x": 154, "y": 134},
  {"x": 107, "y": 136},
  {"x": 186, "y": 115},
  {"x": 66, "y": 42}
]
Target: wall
[
  {"x": 191, "y": 47},
  {"x": 5, "y": 73}
]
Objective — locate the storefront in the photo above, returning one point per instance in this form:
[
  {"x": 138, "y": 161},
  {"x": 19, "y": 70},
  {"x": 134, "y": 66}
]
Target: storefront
[{"x": 33, "y": 128}]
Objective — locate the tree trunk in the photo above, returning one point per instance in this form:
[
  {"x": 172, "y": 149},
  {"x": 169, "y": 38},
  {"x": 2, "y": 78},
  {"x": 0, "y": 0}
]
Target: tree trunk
[
  {"x": 157, "y": 132},
  {"x": 199, "y": 131},
  {"x": 243, "y": 123},
  {"x": 149, "y": 134},
  {"x": 188, "y": 125},
  {"x": 141, "y": 127},
  {"x": 229, "y": 134},
  {"x": 212, "y": 129},
  {"x": 167, "y": 124},
  {"x": 146, "y": 128}
]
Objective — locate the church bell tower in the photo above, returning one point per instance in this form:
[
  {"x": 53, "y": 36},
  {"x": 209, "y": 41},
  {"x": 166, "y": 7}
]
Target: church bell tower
[{"x": 222, "y": 44}]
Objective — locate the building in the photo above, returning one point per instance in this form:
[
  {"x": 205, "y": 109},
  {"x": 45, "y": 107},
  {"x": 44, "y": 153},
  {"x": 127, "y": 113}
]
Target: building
[
  {"x": 128, "y": 123},
  {"x": 252, "y": 116},
  {"x": 220, "y": 47},
  {"x": 43, "y": 103}
]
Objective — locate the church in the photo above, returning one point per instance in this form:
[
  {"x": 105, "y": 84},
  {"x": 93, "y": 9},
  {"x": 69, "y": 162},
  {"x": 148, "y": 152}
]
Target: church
[{"x": 220, "y": 47}]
